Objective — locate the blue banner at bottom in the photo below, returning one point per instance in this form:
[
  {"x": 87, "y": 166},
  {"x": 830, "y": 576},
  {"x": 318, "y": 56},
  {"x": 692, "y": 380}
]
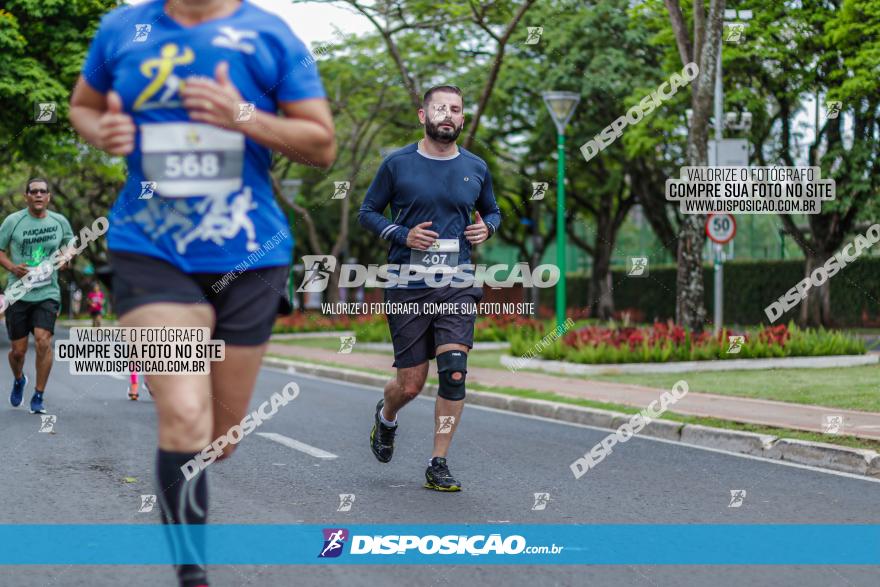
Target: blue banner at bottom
[{"x": 505, "y": 544}]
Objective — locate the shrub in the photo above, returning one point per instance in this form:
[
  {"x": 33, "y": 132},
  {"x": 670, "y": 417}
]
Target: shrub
[
  {"x": 486, "y": 329},
  {"x": 314, "y": 322},
  {"x": 669, "y": 342}
]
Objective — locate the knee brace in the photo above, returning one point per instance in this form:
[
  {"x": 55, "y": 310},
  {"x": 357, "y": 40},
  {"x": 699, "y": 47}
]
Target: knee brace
[{"x": 449, "y": 363}]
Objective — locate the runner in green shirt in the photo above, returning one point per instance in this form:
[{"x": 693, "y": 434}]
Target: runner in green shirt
[{"x": 28, "y": 239}]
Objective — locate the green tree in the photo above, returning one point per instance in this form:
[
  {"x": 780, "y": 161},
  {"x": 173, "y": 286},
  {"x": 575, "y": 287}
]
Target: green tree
[
  {"x": 603, "y": 53},
  {"x": 43, "y": 43},
  {"x": 823, "y": 51},
  {"x": 369, "y": 116}
]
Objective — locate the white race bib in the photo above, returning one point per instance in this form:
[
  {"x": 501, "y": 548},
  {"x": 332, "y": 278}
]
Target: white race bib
[
  {"x": 41, "y": 275},
  {"x": 441, "y": 257},
  {"x": 188, "y": 159}
]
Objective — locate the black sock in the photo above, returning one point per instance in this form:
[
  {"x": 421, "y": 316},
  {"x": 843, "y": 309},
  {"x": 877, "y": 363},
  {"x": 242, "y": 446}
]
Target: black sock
[{"x": 183, "y": 501}]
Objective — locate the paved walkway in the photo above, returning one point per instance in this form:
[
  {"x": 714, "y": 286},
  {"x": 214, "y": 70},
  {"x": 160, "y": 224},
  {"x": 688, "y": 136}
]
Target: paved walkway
[{"x": 737, "y": 409}]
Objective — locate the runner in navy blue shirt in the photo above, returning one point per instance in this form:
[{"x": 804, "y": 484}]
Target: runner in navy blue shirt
[
  {"x": 190, "y": 92},
  {"x": 432, "y": 187},
  {"x": 418, "y": 185}
]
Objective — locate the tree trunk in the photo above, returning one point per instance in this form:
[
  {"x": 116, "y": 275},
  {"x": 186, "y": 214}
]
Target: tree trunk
[
  {"x": 600, "y": 293},
  {"x": 816, "y": 307},
  {"x": 689, "y": 309},
  {"x": 332, "y": 293}
]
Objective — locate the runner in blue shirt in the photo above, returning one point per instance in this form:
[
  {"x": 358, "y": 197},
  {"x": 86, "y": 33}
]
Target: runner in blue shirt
[{"x": 190, "y": 92}]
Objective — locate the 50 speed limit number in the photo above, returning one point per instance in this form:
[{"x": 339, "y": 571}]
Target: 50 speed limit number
[{"x": 720, "y": 228}]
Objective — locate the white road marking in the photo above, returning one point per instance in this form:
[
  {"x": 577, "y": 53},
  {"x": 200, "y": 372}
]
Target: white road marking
[
  {"x": 297, "y": 445},
  {"x": 648, "y": 438}
]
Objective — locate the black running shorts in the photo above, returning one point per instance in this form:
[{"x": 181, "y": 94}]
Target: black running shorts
[
  {"x": 417, "y": 334},
  {"x": 22, "y": 317},
  {"x": 246, "y": 305}
]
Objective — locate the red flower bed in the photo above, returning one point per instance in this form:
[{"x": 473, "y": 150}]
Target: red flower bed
[
  {"x": 661, "y": 333},
  {"x": 774, "y": 335},
  {"x": 315, "y": 322}
]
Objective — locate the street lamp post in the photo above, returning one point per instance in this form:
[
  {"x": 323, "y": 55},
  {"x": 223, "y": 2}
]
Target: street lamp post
[
  {"x": 561, "y": 106},
  {"x": 289, "y": 190}
]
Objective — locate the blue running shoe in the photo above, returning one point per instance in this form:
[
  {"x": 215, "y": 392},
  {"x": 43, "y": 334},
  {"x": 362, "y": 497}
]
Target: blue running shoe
[
  {"x": 18, "y": 391},
  {"x": 37, "y": 406}
]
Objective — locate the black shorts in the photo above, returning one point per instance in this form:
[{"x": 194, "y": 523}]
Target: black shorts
[
  {"x": 416, "y": 335},
  {"x": 246, "y": 306},
  {"x": 22, "y": 317}
]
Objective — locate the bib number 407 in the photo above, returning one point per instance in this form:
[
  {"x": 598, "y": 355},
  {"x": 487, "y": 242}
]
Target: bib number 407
[
  {"x": 192, "y": 165},
  {"x": 434, "y": 259}
]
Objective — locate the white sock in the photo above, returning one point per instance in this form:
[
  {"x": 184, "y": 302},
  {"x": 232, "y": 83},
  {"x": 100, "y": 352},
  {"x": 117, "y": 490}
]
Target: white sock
[{"x": 386, "y": 422}]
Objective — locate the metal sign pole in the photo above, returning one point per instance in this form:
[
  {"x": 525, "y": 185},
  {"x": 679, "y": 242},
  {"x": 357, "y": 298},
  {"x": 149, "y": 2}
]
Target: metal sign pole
[{"x": 719, "y": 287}]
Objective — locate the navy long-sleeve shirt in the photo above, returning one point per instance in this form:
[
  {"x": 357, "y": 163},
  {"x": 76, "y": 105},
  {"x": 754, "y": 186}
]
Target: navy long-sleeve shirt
[{"x": 421, "y": 188}]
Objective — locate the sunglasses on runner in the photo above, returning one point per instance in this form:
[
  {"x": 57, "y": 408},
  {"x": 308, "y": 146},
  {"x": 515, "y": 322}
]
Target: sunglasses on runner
[{"x": 38, "y": 191}]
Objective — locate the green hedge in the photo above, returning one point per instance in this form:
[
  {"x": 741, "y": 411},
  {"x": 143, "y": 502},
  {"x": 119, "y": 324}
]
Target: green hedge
[{"x": 749, "y": 287}]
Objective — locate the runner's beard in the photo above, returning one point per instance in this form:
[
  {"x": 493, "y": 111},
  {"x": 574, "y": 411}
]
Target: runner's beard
[{"x": 442, "y": 135}]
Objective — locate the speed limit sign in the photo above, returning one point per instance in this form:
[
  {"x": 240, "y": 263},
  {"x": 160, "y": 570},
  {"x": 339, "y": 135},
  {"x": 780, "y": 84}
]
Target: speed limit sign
[{"x": 720, "y": 228}]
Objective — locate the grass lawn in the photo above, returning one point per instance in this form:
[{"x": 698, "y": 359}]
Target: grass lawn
[
  {"x": 850, "y": 441},
  {"x": 851, "y": 388}
]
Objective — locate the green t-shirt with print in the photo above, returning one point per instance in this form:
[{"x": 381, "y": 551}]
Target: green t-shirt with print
[{"x": 32, "y": 241}]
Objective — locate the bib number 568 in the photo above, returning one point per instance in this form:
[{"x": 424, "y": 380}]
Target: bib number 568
[{"x": 192, "y": 165}]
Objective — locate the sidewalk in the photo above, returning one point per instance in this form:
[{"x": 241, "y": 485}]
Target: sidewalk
[{"x": 745, "y": 410}]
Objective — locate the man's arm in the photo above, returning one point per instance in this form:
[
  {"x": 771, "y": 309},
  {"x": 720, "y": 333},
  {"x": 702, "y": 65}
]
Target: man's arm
[
  {"x": 64, "y": 253},
  {"x": 487, "y": 206},
  {"x": 5, "y": 261},
  {"x": 371, "y": 216}
]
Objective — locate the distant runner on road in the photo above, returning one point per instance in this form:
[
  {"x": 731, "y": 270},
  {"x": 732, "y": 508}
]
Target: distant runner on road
[
  {"x": 28, "y": 238},
  {"x": 96, "y": 304}
]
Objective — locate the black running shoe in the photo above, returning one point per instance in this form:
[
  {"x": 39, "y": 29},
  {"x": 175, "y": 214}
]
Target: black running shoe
[
  {"x": 382, "y": 437},
  {"x": 438, "y": 477}
]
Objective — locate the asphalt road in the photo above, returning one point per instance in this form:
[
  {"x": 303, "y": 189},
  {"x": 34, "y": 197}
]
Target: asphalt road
[{"x": 77, "y": 475}]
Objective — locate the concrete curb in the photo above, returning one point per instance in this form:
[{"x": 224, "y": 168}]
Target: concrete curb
[
  {"x": 816, "y": 454},
  {"x": 567, "y": 368},
  {"x": 733, "y": 440},
  {"x": 829, "y": 456}
]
